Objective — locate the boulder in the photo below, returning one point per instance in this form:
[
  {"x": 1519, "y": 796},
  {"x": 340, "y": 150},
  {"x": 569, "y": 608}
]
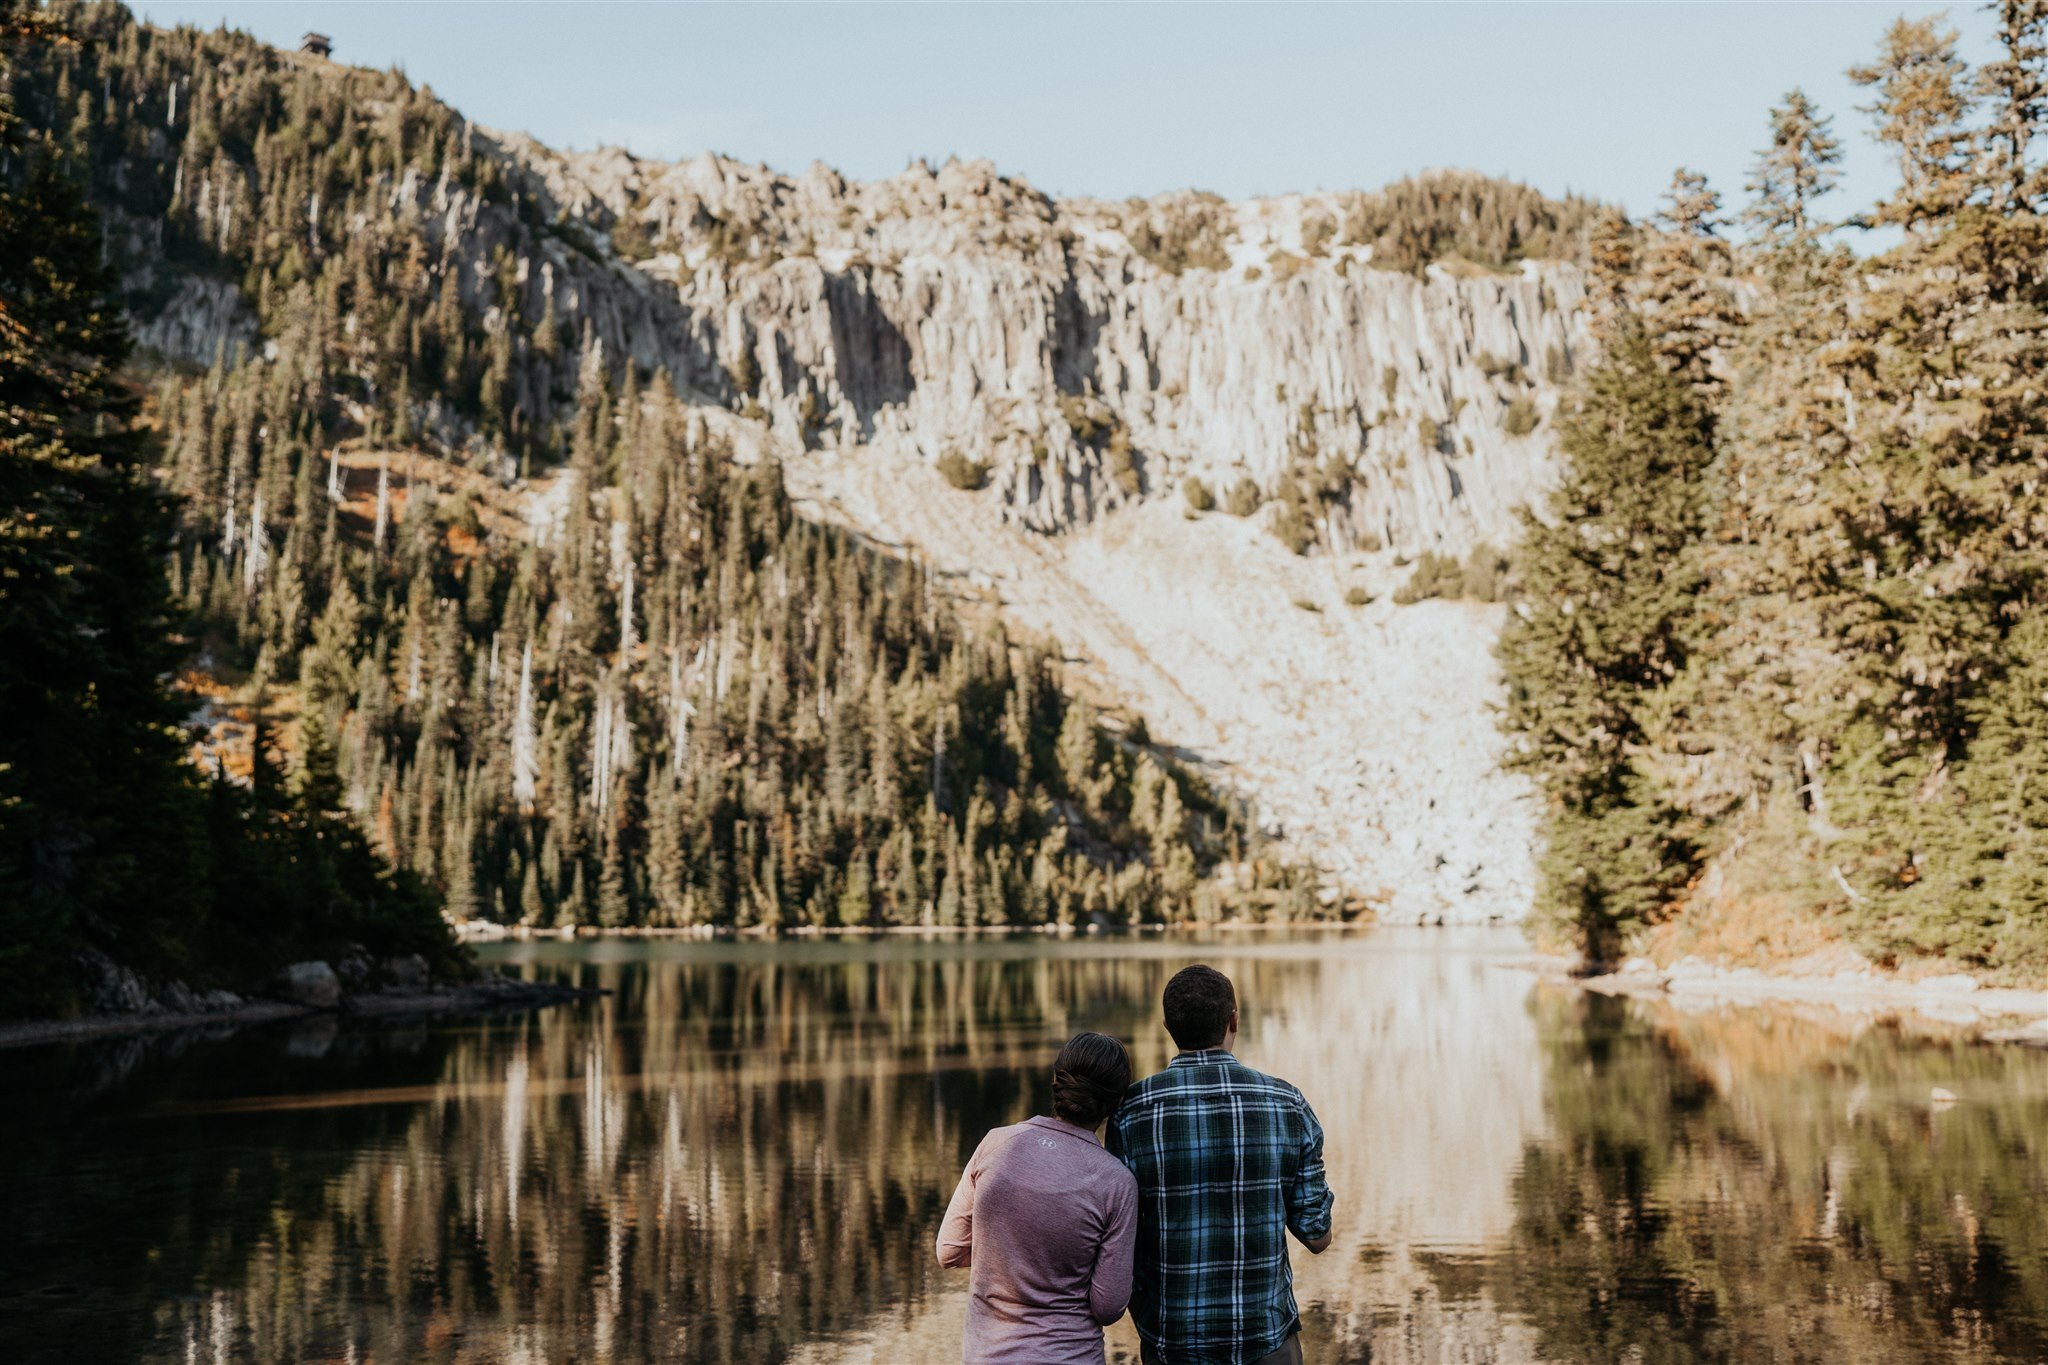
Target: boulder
[
  {"x": 312, "y": 984},
  {"x": 407, "y": 973},
  {"x": 179, "y": 998},
  {"x": 355, "y": 970},
  {"x": 114, "y": 989}
]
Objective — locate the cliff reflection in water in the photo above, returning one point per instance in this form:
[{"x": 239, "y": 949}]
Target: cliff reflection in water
[{"x": 743, "y": 1154}]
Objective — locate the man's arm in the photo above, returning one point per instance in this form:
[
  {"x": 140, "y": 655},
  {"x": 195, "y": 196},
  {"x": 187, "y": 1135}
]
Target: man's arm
[{"x": 1309, "y": 1201}]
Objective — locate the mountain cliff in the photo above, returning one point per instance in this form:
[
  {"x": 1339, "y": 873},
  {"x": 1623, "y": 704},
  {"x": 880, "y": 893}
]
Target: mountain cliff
[
  {"x": 1091, "y": 354},
  {"x": 1042, "y": 398}
]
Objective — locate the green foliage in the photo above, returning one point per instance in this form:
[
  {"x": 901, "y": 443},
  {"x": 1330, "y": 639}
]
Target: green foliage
[
  {"x": 1521, "y": 418},
  {"x": 1498, "y": 367},
  {"x": 631, "y": 240},
  {"x": 1182, "y": 232},
  {"x": 1608, "y": 618},
  {"x": 1488, "y": 222},
  {"x": 1482, "y": 577},
  {"x": 1827, "y": 677},
  {"x": 1357, "y": 596},
  {"x": 1197, "y": 494},
  {"x": 960, "y": 471},
  {"x": 1802, "y": 163},
  {"x": 109, "y": 839},
  {"x": 1243, "y": 499},
  {"x": 1293, "y": 530},
  {"x": 642, "y": 692},
  {"x": 1096, "y": 426}
]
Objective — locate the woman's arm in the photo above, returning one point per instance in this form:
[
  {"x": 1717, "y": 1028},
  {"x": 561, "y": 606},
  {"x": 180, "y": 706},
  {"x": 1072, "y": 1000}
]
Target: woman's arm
[
  {"x": 1109, "y": 1288},
  {"x": 956, "y": 1233}
]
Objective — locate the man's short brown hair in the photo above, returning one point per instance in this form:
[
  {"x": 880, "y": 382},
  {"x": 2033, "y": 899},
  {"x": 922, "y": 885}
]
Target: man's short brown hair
[{"x": 1198, "y": 1004}]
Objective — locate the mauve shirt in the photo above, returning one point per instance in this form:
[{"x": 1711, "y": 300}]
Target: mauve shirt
[{"x": 1048, "y": 1222}]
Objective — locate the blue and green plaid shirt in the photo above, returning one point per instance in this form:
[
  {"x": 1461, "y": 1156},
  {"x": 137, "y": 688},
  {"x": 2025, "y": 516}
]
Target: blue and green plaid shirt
[{"x": 1229, "y": 1161}]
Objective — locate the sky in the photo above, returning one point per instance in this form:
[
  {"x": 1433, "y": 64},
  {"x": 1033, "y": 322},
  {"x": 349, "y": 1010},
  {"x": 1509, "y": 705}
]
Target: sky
[{"x": 1112, "y": 100}]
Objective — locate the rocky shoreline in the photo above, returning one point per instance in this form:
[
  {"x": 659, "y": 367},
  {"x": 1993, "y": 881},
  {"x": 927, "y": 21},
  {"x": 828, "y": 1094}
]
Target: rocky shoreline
[
  {"x": 2006, "y": 1014},
  {"x": 398, "y": 988}
]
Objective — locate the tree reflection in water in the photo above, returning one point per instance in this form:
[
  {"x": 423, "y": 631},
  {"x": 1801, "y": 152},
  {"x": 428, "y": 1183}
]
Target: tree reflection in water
[
  {"x": 743, "y": 1153},
  {"x": 1761, "y": 1185}
]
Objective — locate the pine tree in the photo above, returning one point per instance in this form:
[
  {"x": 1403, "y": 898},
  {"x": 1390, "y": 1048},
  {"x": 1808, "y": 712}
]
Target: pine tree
[
  {"x": 1922, "y": 99},
  {"x": 99, "y": 836},
  {"x": 1683, "y": 293},
  {"x": 1607, "y": 622},
  {"x": 1802, "y": 164},
  {"x": 2015, "y": 85}
]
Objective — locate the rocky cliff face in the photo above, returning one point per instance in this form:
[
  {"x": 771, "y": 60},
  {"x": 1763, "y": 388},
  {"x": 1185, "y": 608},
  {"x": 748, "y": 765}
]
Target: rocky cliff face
[
  {"x": 1094, "y": 357},
  {"x": 1090, "y": 354}
]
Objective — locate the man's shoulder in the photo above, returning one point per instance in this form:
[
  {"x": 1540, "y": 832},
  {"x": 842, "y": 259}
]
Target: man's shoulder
[
  {"x": 1272, "y": 1085},
  {"x": 1227, "y": 1075}
]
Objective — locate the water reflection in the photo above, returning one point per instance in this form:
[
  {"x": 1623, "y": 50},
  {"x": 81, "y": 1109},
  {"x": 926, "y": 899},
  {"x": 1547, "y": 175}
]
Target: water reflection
[{"x": 743, "y": 1154}]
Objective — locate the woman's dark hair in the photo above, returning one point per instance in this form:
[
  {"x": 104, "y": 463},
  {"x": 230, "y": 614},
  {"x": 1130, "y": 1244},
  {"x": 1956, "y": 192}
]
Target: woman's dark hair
[
  {"x": 1197, "y": 1005},
  {"x": 1089, "y": 1079}
]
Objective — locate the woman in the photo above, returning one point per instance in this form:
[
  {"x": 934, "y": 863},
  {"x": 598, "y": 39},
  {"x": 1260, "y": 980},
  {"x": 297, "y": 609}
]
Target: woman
[{"x": 1047, "y": 1220}]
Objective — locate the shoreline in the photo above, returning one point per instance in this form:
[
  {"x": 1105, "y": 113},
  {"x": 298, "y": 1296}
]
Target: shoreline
[
  {"x": 2006, "y": 1014},
  {"x": 493, "y": 994},
  {"x": 469, "y": 932}
]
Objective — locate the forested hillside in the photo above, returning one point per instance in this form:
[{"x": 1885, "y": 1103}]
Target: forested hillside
[
  {"x": 1781, "y": 662},
  {"x": 111, "y": 843},
  {"x": 574, "y": 662}
]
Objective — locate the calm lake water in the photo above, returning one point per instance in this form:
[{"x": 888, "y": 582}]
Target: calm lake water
[{"x": 744, "y": 1152}]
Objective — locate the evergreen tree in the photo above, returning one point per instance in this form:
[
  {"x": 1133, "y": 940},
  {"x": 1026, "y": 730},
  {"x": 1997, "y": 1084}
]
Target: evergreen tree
[
  {"x": 2015, "y": 85},
  {"x": 1683, "y": 292},
  {"x": 1922, "y": 98},
  {"x": 109, "y": 841},
  {"x": 99, "y": 842},
  {"x": 1606, "y": 624},
  {"x": 1802, "y": 163}
]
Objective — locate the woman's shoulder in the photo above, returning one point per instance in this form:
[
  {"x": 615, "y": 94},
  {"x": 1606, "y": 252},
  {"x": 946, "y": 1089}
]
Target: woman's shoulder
[
  {"x": 1107, "y": 1166},
  {"x": 994, "y": 1142}
]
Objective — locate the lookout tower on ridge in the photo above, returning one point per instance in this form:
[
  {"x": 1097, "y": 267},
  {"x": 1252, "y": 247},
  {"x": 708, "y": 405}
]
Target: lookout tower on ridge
[{"x": 317, "y": 45}]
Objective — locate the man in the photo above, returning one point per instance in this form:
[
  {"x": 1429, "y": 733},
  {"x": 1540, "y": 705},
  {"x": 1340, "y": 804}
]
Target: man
[{"x": 1228, "y": 1161}]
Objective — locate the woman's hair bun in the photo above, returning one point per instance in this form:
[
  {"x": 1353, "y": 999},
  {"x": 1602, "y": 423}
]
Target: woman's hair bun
[{"x": 1089, "y": 1078}]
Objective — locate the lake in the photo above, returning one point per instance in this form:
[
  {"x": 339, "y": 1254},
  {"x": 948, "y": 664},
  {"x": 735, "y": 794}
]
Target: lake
[{"x": 742, "y": 1154}]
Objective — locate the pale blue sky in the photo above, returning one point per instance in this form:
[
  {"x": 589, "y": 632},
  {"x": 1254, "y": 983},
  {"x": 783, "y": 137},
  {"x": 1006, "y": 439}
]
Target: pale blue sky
[{"x": 1124, "y": 99}]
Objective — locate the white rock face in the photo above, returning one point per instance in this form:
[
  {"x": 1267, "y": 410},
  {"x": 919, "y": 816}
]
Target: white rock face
[
  {"x": 959, "y": 311},
  {"x": 864, "y": 331}
]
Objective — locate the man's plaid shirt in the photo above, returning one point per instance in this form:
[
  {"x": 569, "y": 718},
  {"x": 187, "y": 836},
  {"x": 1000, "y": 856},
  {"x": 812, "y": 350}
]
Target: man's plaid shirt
[{"x": 1228, "y": 1161}]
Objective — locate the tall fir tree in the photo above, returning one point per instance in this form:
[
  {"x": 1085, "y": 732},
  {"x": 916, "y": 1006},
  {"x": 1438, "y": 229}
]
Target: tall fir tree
[
  {"x": 1802, "y": 164},
  {"x": 99, "y": 840},
  {"x": 1607, "y": 622}
]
